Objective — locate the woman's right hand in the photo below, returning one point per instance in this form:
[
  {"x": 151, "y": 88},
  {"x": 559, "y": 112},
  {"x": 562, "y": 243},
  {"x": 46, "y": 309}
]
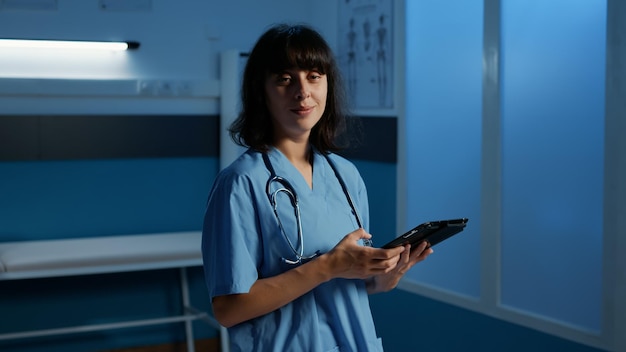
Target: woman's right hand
[{"x": 351, "y": 260}]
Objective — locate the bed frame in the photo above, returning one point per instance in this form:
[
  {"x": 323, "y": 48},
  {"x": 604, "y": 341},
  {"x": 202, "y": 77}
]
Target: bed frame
[{"x": 109, "y": 254}]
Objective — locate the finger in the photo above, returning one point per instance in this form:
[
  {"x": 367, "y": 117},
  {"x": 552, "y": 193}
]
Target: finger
[
  {"x": 405, "y": 256},
  {"x": 426, "y": 253},
  {"x": 421, "y": 247},
  {"x": 419, "y": 256},
  {"x": 383, "y": 269},
  {"x": 358, "y": 234},
  {"x": 384, "y": 254},
  {"x": 385, "y": 264}
]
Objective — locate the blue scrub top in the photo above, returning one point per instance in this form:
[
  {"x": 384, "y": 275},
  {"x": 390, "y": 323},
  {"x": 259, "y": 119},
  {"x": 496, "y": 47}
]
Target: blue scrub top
[{"x": 242, "y": 242}]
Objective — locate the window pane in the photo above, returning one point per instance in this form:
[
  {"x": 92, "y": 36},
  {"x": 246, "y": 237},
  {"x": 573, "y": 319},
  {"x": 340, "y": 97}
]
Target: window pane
[
  {"x": 553, "y": 62},
  {"x": 443, "y": 134}
]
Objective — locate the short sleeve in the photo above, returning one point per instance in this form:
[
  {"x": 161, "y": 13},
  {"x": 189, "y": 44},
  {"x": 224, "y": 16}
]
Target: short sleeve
[{"x": 230, "y": 237}]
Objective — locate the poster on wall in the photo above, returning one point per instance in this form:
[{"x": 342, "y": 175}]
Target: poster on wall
[{"x": 366, "y": 52}]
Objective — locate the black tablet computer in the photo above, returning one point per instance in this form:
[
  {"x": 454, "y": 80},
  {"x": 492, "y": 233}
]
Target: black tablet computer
[{"x": 432, "y": 232}]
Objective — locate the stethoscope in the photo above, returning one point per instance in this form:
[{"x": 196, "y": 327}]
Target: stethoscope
[{"x": 287, "y": 188}]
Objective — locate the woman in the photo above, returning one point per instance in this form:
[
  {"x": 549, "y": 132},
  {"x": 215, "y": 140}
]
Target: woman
[{"x": 283, "y": 242}]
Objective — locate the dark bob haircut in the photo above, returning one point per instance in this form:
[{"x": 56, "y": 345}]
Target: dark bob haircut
[{"x": 284, "y": 47}]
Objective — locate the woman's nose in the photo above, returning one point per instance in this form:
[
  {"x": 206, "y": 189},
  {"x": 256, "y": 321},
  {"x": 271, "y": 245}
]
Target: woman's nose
[{"x": 303, "y": 91}]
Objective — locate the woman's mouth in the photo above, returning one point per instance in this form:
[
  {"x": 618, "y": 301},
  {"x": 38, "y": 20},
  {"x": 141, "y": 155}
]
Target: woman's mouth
[{"x": 302, "y": 110}]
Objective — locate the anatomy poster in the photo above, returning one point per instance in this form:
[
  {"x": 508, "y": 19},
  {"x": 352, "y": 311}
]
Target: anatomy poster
[{"x": 366, "y": 52}]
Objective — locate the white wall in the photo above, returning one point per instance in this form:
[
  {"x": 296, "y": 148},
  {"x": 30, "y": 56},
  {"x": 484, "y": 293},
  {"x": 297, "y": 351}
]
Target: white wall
[{"x": 180, "y": 46}]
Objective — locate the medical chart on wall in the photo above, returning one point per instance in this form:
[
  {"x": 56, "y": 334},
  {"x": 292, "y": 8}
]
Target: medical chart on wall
[{"x": 366, "y": 52}]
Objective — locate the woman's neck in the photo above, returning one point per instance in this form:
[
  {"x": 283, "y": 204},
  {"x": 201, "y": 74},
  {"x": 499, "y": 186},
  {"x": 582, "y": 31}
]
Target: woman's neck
[
  {"x": 301, "y": 157},
  {"x": 296, "y": 152}
]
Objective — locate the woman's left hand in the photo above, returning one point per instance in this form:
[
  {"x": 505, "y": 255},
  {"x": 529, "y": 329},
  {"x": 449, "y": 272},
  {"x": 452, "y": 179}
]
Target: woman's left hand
[{"x": 408, "y": 258}]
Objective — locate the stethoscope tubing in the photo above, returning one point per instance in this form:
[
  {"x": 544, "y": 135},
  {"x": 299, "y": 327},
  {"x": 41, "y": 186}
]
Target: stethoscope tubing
[{"x": 288, "y": 189}]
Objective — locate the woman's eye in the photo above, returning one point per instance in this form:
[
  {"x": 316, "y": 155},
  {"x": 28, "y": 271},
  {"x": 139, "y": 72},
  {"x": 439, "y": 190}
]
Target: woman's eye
[
  {"x": 314, "y": 76},
  {"x": 283, "y": 79}
]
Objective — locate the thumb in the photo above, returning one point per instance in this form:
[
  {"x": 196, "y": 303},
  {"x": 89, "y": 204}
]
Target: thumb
[{"x": 359, "y": 234}]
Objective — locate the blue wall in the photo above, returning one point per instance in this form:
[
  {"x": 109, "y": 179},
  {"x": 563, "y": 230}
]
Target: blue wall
[{"x": 75, "y": 198}]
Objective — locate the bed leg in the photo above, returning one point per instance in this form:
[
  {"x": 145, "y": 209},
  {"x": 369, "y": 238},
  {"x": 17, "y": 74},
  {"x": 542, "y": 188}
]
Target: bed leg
[{"x": 184, "y": 288}]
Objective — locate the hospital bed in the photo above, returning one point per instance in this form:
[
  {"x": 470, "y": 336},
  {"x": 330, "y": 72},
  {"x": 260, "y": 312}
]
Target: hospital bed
[{"x": 104, "y": 255}]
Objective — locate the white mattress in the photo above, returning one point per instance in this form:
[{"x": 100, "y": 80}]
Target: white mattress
[{"x": 99, "y": 254}]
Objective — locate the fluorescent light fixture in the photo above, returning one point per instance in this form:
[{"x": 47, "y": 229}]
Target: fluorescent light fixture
[{"x": 67, "y": 44}]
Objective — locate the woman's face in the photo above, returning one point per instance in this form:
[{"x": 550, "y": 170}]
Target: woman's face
[{"x": 296, "y": 100}]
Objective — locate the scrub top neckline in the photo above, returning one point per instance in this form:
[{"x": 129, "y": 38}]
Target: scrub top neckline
[{"x": 284, "y": 168}]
